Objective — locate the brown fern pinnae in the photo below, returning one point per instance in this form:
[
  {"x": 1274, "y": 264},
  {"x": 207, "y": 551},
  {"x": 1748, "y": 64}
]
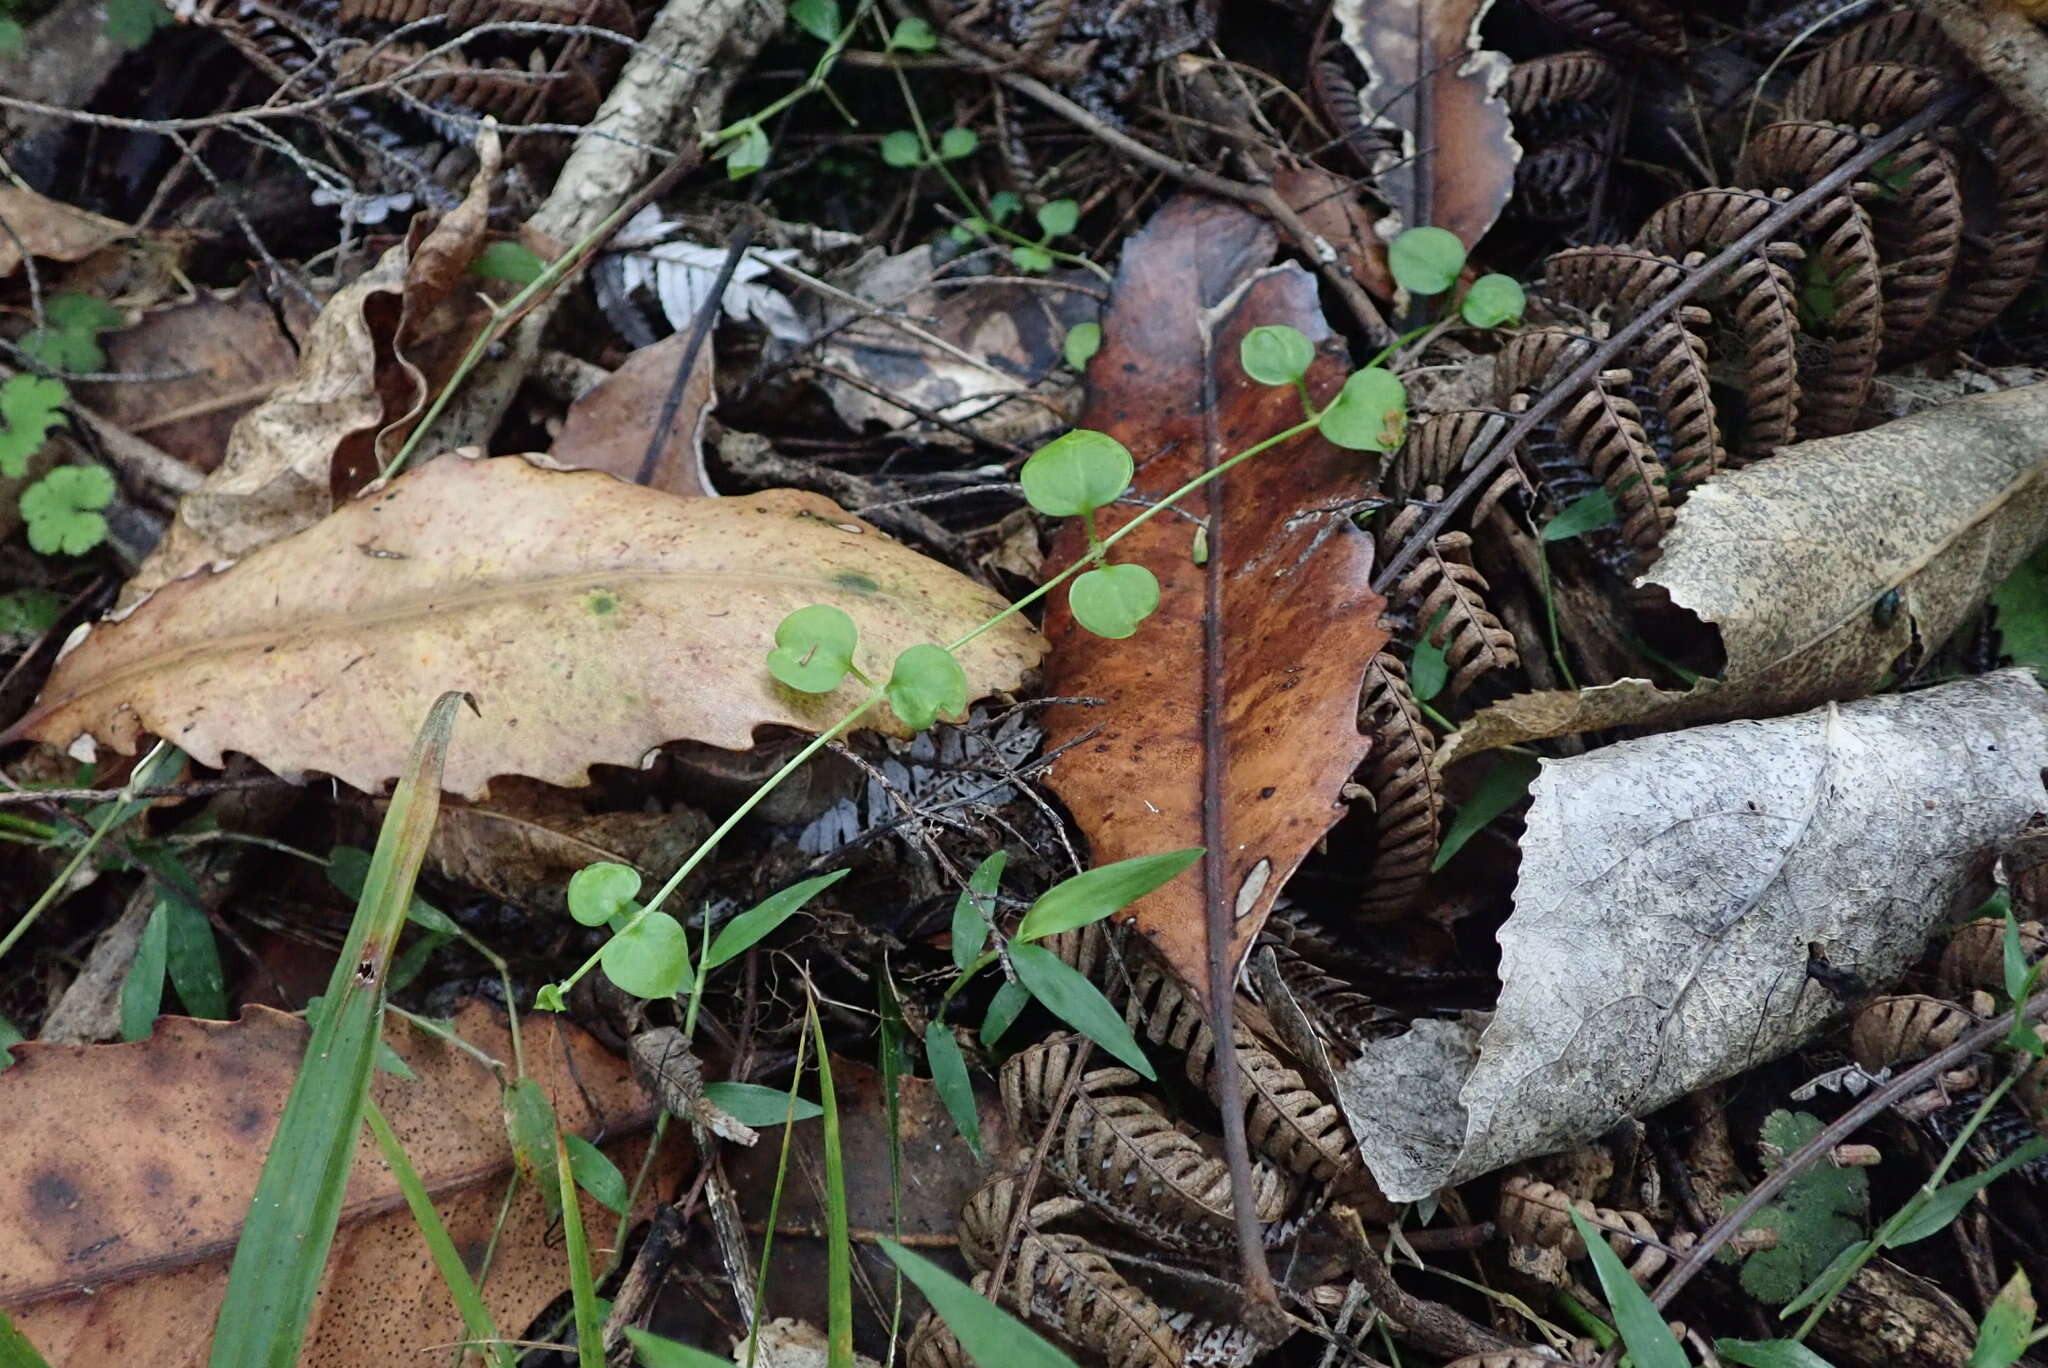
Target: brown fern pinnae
[
  {"x": 1899, "y": 1029},
  {"x": 1562, "y": 105},
  {"x": 1534, "y": 1212},
  {"x": 1974, "y": 957},
  {"x": 1635, "y": 28},
  {"x": 1067, "y": 1285},
  {"x": 1446, "y": 589},
  {"x": 1341, "y": 1015},
  {"x": 1407, "y": 798}
]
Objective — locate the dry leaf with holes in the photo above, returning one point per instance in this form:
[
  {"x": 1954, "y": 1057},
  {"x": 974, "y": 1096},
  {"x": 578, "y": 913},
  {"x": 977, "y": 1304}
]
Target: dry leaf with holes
[
  {"x": 1669, "y": 890},
  {"x": 1436, "y": 95},
  {"x": 592, "y": 621},
  {"x": 124, "y": 1200},
  {"x": 1793, "y": 560},
  {"x": 1286, "y": 586}
]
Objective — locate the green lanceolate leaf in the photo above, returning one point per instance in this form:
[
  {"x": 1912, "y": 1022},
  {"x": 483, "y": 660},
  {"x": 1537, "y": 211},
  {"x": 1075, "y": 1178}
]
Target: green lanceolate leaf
[
  {"x": 1097, "y": 893},
  {"x": 976, "y": 908},
  {"x": 655, "y": 1352},
  {"x": 1948, "y": 1200},
  {"x": 142, "y": 992},
  {"x": 2008, "y": 1326},
  {"x": 990, "y": 1335},
  {"x": 1073, "y": 999},
  {"x": 1505, "y": 785},
  {"x": 1009, "y": 1000},
  {"x": 751, "y": 1104},
  {"x": 1775, "y": 1353},
  {"x": 746, "y": 930},
  {"x": 282, "y": 1253},
  {"x": 1589, "y": 514},
  {"x": 955, "y": 1088},
  {"x": 1650, "y": 1341},
  {"x": 596, "y": 1174}
]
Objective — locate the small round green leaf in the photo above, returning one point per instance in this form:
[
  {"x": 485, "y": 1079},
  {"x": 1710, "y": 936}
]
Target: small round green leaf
[
  {"x": 549, "y": 998},
  {"x": 957, "y": 142},
  {"x": 1369, "y": 414},
  {"x": 599, "y": 892},
  {"x": 1031, "y": 260},
  {"x": 814, "y": 649},
  {"x": 650, "y": 959},
  {"x": 1003, "y": 205},
  {"x": 1076, "y": 473},
  {"x": 747, "y": 154},
  {"x": 913, "y": 35},
  {"x": 1083, "y": 341},
  {"x": 926, "y": 684},
  {"x": 1113, "y": 600},
  {"x": 1059, "y": 217},
  {"x": 902, "y": 148},
  {"x": 1492, "y": 301},
  {"x": 1276, "y": 354},
  {"x": 1426, "y": 261},
  {"x": 508, "y": 261},
  {"x": 819, "y": 18}
]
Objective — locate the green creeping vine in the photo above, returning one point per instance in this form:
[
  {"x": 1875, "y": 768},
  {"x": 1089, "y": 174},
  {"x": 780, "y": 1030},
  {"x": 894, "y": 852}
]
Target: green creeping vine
[{"x": 816, "y": 650}]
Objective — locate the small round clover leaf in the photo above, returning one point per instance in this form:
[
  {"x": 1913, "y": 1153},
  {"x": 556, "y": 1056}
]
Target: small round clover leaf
[
  {"x": 601, "y": 891},
  {"x": 650, "y": 959},
  {"x": 957, "y": 142},
  {"x": 1113, "y": 600},
  {"x": 1426, "y": 261},
  {"x": 1077, "y": 473},
  {"x": 1369, "y": 414},
  {"x": 1059, "y": 217},
  {"x": 61, "y": 510},
  {"x": 814, "y": 649},
  {"x": 1082, "y": 342},
  {"x": 926, "y": 683},
  {"x": 1492, "y": 301},
  {"x": 1276, "y": 354},
  {"x": 902, "y": 148}
]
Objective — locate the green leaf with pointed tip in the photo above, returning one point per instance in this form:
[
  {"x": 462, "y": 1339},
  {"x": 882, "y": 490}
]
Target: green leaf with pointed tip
[
  {"x": 1774, "y": 1353},
  {"x": 752, "y": 1104},
  {"x": 926, "y": 684},
  {"x": 142, "y": 992},
  {"x": 1100, "y": 892},
  {"x": 1426, "y": 261},
  {"x": 1076, "y": 473},
  {"x": 1428, "y": 669},
  {"x": 511, "y": 261},
  {"x": 1588, "y": 514},
  {"x": 913, "y": 34},
  {"x": 598, "y": 892},
  {"x": 1073, "y": 999},
  {"x": 976, "y": 908},
  {"x": 819, "y": 18},
  {"x": 654, "y": 1351},
  {"x": 1276, "y": 354},
  {"x": 750, "y": 927},
  {"x": 1505, "y": 785},
  {"x": 955, "y": 1088},
  {"x": 1010, "y": 999},
  {"x": 596, "y": 1174},
  {"x": 991, "y": 1336},
  {"x": 1112, "y": 600},
  {"x": 747, "y": 153},
  {"x": 1650, "y": 1341},
  {"x": 650, "y": 958},
  {"x": 814, "y": 648},
  {"x": 1369, "y": 414}
]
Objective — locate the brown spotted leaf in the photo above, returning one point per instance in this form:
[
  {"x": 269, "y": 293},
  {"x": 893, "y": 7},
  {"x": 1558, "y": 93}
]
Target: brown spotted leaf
[
  {"x": 1230, "y": 720},
  {"x": 1437, "y": 95},
  {"x": 591, "y": 620},
  {"x": 1792, "y": 557},
  {"x": 124, "y": 1189}
]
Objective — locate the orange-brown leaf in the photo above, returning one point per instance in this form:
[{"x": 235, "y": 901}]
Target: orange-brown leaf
[{"x": 1230, "y": 719}]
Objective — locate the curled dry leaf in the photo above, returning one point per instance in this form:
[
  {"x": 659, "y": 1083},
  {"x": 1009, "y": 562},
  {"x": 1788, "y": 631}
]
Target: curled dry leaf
[
  {"x": 1437, "y": 93},
  {"x": 50, "y": 230},
  {"x": 1670, "y": 887},
  {"x": 1333, "y": 211},
  {"x": 122, "y": 1203},
  {"x": 609, "y": 428},
  {"x": 367, "y": 368},
  {"x": 591, "y": 620},
  {"x": 1791, "y": 557},
  {"x": 1286, "y": 587}
]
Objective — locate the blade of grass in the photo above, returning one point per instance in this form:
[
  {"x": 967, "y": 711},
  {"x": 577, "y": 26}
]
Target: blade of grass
[
  {"x": 283, "y": 1250},
  {"x": 582, "y": 1288},
  {"x": 988, "y": 1333},
  {"x": 760, "y": 1297},
  {"x": 15, "y": 1350},
  {"x": 468, "y": 1297},
  {"x": 1650, "y": 1341},
  {"x": 838, "y": 1247}
]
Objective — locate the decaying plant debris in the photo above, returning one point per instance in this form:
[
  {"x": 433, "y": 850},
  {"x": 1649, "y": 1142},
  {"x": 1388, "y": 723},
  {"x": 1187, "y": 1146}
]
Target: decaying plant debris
[{"x": 1576, "y": 788}]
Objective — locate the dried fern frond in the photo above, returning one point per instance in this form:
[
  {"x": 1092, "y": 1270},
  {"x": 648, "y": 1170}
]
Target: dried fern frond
[
  {"x": 1340, "y": 1014},
  {"x": 1407, "y": 794},
  {"x": 1538, "y": 1213}
]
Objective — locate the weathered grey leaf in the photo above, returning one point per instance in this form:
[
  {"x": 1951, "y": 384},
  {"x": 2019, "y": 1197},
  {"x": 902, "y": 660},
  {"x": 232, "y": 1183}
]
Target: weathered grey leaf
[
  {"x": 1669, "y": 889},
  {"x": 1791, "y": 556}
]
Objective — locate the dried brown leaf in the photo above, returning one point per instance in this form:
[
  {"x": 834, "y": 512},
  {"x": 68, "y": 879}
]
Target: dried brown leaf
[
  {"x": 1438, "y": 96},
  {"x": 609, "y": 428},
  {"x": 45, "y": 228},
  {"x": 124, "y": 1199},
  {"x": 1286, "y": 590},
  {"x": 592, "y": 620},
  {"x": 1791, "y": 557}
]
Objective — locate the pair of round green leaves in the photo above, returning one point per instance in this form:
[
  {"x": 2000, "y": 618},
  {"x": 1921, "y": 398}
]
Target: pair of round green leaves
[
  {"x": 1369, "y": 414},
  {"x": 814, "y": 654},
  {"x": 1072, "y": 476},
  {"x": 1428, "y": 261}
]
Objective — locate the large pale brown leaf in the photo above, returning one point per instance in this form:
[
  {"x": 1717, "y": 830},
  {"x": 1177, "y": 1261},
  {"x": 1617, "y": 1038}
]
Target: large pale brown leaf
[
  {"x": 46, "y": 228},
  {"x": 128, "y": 1174},
  {"x": 1231, "y": 719},
  {"x": 1791, "y": 557},
  {"x": 592, "y": 620},
  {"x": 1437, "y": 94}
]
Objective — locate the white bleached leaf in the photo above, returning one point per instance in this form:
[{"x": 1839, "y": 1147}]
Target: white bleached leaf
[
  {"x": 1669, "y": 890},
  {"x": 680, "y": 273}
]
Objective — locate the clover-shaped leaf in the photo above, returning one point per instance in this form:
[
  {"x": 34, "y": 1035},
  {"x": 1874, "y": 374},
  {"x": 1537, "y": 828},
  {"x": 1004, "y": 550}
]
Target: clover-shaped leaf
[
  {"x": 1492, "y": 301},
  {"x": 1114, "y": 599},
  {"x": 1369, "y": 414},
  {"x": 1426, "y": 261},
  {"x": 601, "y": 891},
  {"x": 1276, "y": 354},
  {"x": 1077, "y": 472},
  {"x": 926, "y": 683},
  {"x": 61, "y": 510},
  {"x": 30, "y": 405},
  {"x": 1059, "y": 217},
  {"x": 814, "y": 649}
]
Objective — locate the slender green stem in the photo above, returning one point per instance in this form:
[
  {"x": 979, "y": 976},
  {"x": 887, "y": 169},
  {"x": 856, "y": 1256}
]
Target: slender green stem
[
  {"x": 1550, "y": 611},
  {"x": 753, "y": 800},
  {"x": 1288, "y": 434}
]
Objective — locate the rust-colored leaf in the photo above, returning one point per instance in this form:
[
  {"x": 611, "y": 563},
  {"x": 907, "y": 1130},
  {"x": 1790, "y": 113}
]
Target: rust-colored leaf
[
  {"x": 1231, "y": 719},
  {"x": 609, "y": 428},
  {"x": 592, "y": 620},
  {"x": 369, "y": 363},
  {"x": 120, "y": 1205},
  {"x": 1437, "y": 94}
]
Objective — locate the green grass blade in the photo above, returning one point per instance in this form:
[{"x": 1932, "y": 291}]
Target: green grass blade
[
  {"x": 838, "y": 1246},
  {"x": 656, "y": 1352},
  {"x": 292, "y": 1218},
  {"x": 142, "y": 992},
  {"x": 1650, "y": 1341},
  {"x": 989, "y": 1334},
  {"x": 469, "y": 1299},
  {"x": 582, "y": 1289},
  {"x": 15, "y": 1350}
]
